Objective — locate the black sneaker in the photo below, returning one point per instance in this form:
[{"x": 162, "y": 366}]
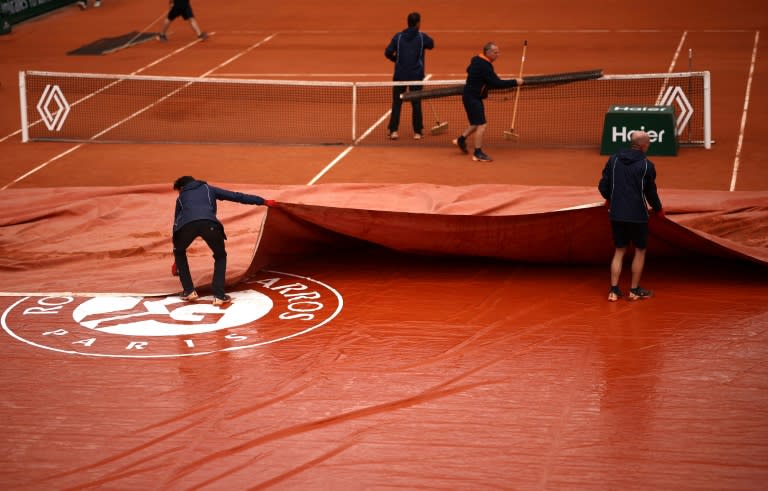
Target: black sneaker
[
  {"x": 614, "y": 294},
  {"x": 480, "y": 156},
  {"x": 639, "y": 294},
  {"x": 461, "y": 142}
]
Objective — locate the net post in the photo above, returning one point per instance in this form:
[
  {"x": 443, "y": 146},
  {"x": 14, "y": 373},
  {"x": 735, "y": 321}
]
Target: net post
[
  {"x": 690, "y": 88},
  {"x": 23, "y": 107},
  {"x": 707, "y": 112},
  {"x": 354, "y": 111}
]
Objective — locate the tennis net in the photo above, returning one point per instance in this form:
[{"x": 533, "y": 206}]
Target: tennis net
[{"x": 109, "y": 108}]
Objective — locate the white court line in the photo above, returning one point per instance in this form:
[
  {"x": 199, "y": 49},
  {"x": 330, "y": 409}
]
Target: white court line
[
  {"x": 346, "y": 151},
  {"x": 76, "y": 147},
  {"x": 330, "y": 166},
  {"x": 245, "y": 51},
  {"x": 736, "y": 160},
  {"x": 42, "y": 166},
  {"x": 672, "y": 66},
  {"x": 677, "y": 52}
]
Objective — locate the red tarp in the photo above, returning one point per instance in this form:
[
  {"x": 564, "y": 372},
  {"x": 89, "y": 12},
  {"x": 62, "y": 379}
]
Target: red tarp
[{"x": 117, "y": 240}]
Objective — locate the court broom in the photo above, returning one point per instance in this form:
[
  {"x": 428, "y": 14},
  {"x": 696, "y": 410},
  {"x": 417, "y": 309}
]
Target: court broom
[
  {"x": 511, "y": 133},
  {"x": 439, "y": 126},
  {"x": 134, "y": 38}
]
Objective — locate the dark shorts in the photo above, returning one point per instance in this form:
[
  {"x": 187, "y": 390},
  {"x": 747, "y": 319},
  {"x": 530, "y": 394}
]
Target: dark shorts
[
  {"x": 181, "y": 8},
  {"x": 475, "y": 110},
  {"x": 626, "y": 232}
]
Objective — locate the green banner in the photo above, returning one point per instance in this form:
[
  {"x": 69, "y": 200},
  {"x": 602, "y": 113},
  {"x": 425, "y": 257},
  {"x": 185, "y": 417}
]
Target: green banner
[
  {"x": 657, "y": 121},
  {"x": 16, "y": 11}
]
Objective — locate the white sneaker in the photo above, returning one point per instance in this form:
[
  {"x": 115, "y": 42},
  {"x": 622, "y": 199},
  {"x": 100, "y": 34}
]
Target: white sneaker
[
  {"x": 393, "y": 135},
  {"x": 97, "y": 3},
  {"x": 82, "y": 5},
  {"x": 417, "y": 136}
]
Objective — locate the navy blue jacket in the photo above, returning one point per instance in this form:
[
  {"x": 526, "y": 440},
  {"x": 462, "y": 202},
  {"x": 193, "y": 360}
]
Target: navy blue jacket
[
  {"x": 628, "y": 180},
  {"x": 406, "y": 49},
  {"x": 481, "y": 76},
  {"x": 197, "y": 201}
]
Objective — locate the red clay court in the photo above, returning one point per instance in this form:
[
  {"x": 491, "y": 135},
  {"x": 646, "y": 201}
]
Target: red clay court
[{"x": 407, "y": 318}]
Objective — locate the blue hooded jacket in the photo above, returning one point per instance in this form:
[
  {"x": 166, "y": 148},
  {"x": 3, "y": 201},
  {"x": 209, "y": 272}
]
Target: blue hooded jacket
[
  {"x": 406, "y": 49},
  {"x": 481, "y": 76},
  {"x": 197, "y": 201},
  {"x": 629, "y": 184}
]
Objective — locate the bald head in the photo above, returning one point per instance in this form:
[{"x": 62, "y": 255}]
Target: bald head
[{"x": 640, "y": 140}]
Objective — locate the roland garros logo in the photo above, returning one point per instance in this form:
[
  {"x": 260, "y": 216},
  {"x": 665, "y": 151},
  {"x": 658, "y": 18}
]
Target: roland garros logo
[{"x": 268, "y": 308}]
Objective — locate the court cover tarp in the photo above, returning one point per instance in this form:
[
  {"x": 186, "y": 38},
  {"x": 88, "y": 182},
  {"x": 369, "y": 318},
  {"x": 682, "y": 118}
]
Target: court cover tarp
[
  {"x": 107, "y": 45},
  {"x": 117, "y": 240}
]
